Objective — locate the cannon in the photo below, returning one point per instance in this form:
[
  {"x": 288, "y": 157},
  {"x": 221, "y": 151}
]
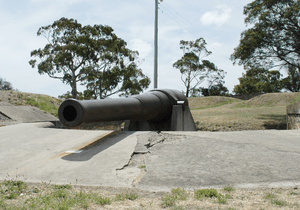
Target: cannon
[{"x": 156, "y": 110}]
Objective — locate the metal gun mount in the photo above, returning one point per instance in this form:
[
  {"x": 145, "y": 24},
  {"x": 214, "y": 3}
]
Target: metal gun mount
[{"x": 156, "y": 110}]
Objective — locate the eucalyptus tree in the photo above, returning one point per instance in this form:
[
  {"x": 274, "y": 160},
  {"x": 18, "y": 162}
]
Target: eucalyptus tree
[
  {"x": 273, "y": 41},
  {"x": 194, "y": 69},
  {"x": 88, "y": 54}
]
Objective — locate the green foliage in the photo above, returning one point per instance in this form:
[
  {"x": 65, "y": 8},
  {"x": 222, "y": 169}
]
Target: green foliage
[
  {"x": 209, "y": 193},
  {"x": 4, "y": 85},
  {"x": 293, "y": 193},
  {"x": 142, "y": 166},
  {"x": 279, "y": 202},
  {"x": 91, "y": 55},
  {"x": 168, "y": 201},
  {"x": 194, "y": 70},
  {"x": 176, "y": 194},
  {"x": 11, "y": 189},
  {"x": 270, "y": 196},
  {"x": 215, "y": 90},
  {"x": 55, "y": 197},
  {"x": 273, "y": 40},
  {"x": 258, "y": 81},
  {"x": 60, "y": 187},
  {"x": 228, "y": 188},
  {"x": 274, "y": 200},
  {"x": 179, "y": 193},
  {"x": 44, "y": 103},
  {"x": 292, "y": 81},
  {"x": 222, "y": 199},
  {"x": 128, "y": 196},
  {"x": 102, "y": 200}
]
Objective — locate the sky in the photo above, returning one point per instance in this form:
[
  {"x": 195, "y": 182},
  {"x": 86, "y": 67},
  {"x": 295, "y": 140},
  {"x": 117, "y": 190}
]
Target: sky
[{"x": 219, "y": 22}]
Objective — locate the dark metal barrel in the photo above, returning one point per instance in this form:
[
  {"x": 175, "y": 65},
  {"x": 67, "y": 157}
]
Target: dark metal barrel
[{"x": 155, "y": 106}]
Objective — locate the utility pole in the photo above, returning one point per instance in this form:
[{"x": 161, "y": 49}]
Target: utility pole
[{"x": 156, "y": 44}]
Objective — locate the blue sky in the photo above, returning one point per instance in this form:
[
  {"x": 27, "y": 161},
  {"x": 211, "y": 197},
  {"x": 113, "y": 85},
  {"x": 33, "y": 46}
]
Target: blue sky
[{"x": 220, "y": 23}]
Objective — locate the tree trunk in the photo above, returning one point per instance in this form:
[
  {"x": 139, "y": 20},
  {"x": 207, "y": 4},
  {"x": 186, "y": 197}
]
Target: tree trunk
[
  {"x": 74, "y": 85},
  {"x": 188, "y": 85}
]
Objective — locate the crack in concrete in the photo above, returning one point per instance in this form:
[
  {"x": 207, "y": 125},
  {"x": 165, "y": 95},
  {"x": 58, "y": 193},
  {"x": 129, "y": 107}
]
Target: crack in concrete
[{"x": 136, "y": 168}]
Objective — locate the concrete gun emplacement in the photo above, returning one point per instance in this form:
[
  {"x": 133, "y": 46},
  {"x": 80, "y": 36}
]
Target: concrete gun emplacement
[{"x": 156, "y": 110}]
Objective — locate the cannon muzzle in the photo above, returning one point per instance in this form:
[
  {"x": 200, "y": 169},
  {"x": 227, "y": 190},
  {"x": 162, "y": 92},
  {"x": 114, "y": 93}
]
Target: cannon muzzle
[{"x": 149, "y": 111}]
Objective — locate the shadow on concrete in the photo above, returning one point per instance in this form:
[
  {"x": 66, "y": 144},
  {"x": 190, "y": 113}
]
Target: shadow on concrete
[
  {"x": 90, "y": 151},
  {"x": 274, "y": 121}
]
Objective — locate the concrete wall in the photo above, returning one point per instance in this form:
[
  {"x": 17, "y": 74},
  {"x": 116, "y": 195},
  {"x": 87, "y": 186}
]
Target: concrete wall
[{"x": 293, "y": 116}]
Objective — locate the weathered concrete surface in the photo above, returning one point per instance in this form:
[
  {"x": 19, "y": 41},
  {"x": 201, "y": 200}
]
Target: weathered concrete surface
[
  {"x": 215, "y": 159},
  {"x": 24, "y": 114},
  {"x": 43, "y": 154},
  {"x": 150, "y": 161}
]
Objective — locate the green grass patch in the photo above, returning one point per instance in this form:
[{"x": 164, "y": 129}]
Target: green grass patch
[
  {"x": 168, "y": 201},
  {"x": 176, "y": 194},
  {"x": 206, "y": 193},
  {"x": 142, "y": 166},
  {"x": 54, "y": 197},
  {"x": 279, "y": 202},
  {"x": 11, "y": 189},
  {"x": 124, "y": 196},
  {"x": 270, "y": 196},
  {"x": 293, "y": 193},
  {"x": 60, "y": 187},
  {"x": 228, "y": 188},
  {"x": 44, "y": 103},
  {"x": 222, "y": 199}
]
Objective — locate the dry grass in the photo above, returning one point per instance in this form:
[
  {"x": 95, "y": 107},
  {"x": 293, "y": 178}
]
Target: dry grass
[
  {"x": 218, "y": 113},
  {"x": 41, "y": 196},
  {"x": 44, "y": 102}
]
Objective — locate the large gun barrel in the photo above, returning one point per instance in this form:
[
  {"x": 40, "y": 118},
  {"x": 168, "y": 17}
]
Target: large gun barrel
[{"x": 154, "y": 107}]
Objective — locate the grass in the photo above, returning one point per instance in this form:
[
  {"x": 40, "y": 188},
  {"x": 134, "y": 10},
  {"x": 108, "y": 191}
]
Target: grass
[
  {"x": 43, "y": 103},
  {"x": 228, "y": 188},
  {"x": 54, "y": 197},
  {"x": 171, "y": 199},
  {"x": 267, "y": 111},
  {"x": 206, "y": 193},
  {"x": 124, "y": 196},
  {"x": 46, "y": 196}
]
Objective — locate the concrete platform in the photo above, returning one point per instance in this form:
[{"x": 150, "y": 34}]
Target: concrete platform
[
  {"x": 37, "y": 152},
  {"x": 23, "y": 114}
]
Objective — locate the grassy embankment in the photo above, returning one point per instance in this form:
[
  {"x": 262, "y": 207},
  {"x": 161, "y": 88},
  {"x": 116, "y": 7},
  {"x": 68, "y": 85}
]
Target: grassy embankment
[{"x": 215, "y": 113}]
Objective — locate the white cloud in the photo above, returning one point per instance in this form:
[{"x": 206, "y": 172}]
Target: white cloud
[
  {"x": 219, "y": 16},
  {"x": 141, "y": 46}
]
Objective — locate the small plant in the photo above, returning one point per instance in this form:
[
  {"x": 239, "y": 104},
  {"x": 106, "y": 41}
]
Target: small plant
[
  {"x": 12, "y": 189},
  {"x": 270, "y": 196},
  {"x": 222, "y": 199},
  {"x": 209, "y": 193},
  {"x": 228, "y": 188},
  {"x": 128, "y": 196},
  {"x": 60, "y": 194},
  {"x": 179, "y": 193},
  {"x": 279, "y": 202},
  {"x": 35, "y": 190},
  {"x": 176, "y": 194},
  {"x": 142, "y": 166},
  {"x": 168, "y": 201},
  {"x": 293, "y": 193},
  {"x": 66, "y": 186},
  {"x": 102, "y": 200}
]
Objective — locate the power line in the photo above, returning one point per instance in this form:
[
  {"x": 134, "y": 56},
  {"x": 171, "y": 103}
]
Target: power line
[{"x": 184, "y": 23}]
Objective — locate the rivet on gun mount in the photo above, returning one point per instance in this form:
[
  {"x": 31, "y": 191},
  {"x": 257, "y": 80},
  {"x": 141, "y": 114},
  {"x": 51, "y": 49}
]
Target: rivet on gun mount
[{"x": 156, "y": 110}]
